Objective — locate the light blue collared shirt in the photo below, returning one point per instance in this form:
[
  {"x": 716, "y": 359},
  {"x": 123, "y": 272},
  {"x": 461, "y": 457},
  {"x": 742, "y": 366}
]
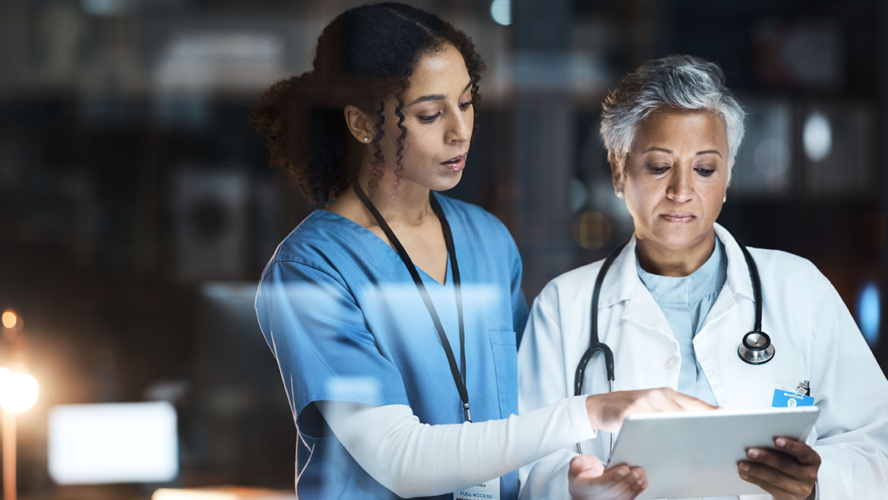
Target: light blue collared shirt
[{"x": 686, "y": 301}]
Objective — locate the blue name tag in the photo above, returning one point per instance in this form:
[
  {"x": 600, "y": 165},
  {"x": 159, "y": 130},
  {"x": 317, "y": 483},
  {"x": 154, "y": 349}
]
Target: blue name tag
[{"x": 789, "y": 399}]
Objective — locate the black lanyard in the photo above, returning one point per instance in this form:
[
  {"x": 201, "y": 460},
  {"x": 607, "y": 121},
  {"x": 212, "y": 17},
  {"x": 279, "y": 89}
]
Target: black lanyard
[{"x": 448, "y": 238}]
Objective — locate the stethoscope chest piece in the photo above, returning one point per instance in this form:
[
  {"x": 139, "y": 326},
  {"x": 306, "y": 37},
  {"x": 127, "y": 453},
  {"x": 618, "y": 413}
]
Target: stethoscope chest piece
[{"x": 756, "y": 348}]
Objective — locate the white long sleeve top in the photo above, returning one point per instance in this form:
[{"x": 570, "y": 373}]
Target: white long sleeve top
[{"x": 415, "y": 459}]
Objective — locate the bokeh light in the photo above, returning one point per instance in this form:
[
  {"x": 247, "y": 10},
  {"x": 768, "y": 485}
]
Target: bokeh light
[
  {"x": 18, "y": 391},
  {"x": 10, "y": 319},
  {"x": 817, "y": 137},
  {"x": 772, "y": 156},
  {"x": 591, "y": 230},
  {"x": 869, "y": 312},
  {"x": 501, "y": 11}
]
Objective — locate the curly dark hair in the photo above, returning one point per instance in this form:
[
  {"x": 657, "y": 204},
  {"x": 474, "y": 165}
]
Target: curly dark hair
[{"x": 363, "y": 57}]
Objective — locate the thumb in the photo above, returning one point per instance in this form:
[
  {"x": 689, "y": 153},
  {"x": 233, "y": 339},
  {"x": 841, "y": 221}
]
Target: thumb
[{"x": 587, "y": 465}]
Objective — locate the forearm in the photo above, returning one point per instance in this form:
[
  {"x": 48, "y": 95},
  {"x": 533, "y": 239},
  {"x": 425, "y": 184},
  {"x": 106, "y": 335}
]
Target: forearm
[{"x": 415, "y": 459}]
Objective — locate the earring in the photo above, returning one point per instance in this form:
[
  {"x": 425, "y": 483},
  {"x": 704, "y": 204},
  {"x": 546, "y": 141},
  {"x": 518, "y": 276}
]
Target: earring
[
  {"x": 366, "y": 139},
  {"x": 620, "y": 195},
  {"x": 725, "y": 199}
]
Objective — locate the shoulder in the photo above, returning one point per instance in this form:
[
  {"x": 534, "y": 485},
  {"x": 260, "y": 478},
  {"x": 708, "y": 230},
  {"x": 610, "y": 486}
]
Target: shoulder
[
  {"x": 576, "y": 277},
  {"x": 770, "y": 263},
  {"x": 777, "y": 259},
  {"x": 467, "y": 211},
  {"x": 316, "y": 235},
  {"x": 784, "y": 265},
  {"x": 321, "y": 242},
  {"x": 789, "y": 272},
  {"x": 573, "y": 284}
]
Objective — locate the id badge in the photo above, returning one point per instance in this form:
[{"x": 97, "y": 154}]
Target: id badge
[
  {"x": 484, "y": 491},
  {"x": 789, "y": 399}
]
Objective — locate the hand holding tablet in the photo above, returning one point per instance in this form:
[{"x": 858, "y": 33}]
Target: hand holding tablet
[
  {"x": 696, "y": 454},
  {"x": 790, "y": 473},
  {"x": 589, "y": 481}
]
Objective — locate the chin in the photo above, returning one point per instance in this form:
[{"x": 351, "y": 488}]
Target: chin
[
  {"x": 446, "y": 184},
  {"x": 677, "y": 238}
]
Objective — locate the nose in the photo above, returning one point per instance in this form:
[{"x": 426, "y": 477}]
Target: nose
[
  {"x": 460, "y": 126},
  {"x": 680, "y": 186}
]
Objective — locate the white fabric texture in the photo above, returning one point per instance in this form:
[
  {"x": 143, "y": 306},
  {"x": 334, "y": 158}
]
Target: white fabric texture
[
  {"x": 815, "y": 337},
  {"x": 415, "y": 459}
]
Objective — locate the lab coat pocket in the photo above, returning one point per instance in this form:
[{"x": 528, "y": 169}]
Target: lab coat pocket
[{"x": 505, "y": 358}]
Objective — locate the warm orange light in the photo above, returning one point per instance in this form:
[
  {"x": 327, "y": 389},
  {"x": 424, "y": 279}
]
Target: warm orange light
[
  {"x": 18, "y": 391},
  {"x": 591, "y": 230},
  {"x": 9, "y": 319}
]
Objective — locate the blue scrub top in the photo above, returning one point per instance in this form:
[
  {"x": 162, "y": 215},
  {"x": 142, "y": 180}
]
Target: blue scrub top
[
  {"x": 345, "y": 321},
  {"x": 686, "y": 301}
]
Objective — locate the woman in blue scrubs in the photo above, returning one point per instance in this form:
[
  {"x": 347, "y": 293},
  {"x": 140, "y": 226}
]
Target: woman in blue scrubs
[{"x": 393, "y": 312}]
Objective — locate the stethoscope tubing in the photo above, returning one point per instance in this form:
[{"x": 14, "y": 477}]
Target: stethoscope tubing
[{"x": 595, "y": 345}]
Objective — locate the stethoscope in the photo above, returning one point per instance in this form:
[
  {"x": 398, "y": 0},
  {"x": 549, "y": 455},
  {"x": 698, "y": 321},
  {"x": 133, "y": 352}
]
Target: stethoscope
[{"x": 755, "y": 349}]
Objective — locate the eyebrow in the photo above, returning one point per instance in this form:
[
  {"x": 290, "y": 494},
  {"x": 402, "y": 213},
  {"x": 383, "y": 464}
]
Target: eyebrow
[
  {"x": 435, "y": 97},
  {"x": 708, "y": 151}
]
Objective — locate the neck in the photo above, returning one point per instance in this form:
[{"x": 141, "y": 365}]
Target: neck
[
  {"x": 398, "y": 200},
  {"x": 657, "y": 259}
]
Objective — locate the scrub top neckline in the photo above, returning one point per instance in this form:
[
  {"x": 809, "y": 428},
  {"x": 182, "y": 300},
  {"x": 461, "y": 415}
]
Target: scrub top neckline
[{"x": 361, "y": 230}]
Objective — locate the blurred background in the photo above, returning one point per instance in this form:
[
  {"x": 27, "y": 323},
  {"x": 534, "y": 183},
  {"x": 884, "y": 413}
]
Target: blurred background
[{"x": 137, "y": 209}]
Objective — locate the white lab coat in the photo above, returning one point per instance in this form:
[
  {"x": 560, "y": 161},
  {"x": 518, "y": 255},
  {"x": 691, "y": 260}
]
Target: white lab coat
[{"x": 815, "y": 338}]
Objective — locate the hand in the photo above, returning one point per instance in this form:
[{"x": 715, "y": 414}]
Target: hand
[
  {"x": 587, "y": 480},
  {"x": 787, "y": 474},
  {"x": 607, "y": 411}
]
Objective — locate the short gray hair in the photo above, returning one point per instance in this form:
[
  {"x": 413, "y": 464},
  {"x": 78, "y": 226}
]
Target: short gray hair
[{"x": 678, "y": 82}]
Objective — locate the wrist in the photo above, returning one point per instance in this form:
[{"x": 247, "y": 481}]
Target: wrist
[{"x": 592, "y": 407}]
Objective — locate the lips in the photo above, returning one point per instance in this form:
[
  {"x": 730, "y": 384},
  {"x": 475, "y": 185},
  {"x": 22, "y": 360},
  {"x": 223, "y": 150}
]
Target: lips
[
  {"x": 455, "y": 164},
  {"x": 679, "y": 217}
]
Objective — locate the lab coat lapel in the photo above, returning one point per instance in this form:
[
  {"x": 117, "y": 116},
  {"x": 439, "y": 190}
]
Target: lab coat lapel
[
  {"x": 623, "y": 283},
  {"x": 725, "y": 305},
  {"x": 727, "y": 319},
  {"x": 644, "y": 311},
  {"x": 724, "y": 315},
  {"x": 738, "y": 272}
]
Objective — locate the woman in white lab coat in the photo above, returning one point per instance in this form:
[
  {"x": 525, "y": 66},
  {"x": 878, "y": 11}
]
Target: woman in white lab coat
[{"x": 678, "y": 300}]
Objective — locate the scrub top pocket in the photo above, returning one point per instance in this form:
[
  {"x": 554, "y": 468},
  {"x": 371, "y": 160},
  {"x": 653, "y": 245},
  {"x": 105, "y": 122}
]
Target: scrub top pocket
[{"x": 505, "y": 357}]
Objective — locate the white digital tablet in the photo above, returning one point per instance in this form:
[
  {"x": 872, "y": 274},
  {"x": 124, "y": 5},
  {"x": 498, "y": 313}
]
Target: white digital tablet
[{"x": 695, "y": 454}]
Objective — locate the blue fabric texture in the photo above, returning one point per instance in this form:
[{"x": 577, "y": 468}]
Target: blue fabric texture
[
  {"x": 345, "y": 322},
  {"x": 686, "y": 301}
]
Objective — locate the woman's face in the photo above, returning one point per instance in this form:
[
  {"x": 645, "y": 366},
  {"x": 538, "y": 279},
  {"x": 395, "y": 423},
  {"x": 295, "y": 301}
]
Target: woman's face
[
  {"x": 439, "y": 117},
  {"x": 676, "y": 177}
]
